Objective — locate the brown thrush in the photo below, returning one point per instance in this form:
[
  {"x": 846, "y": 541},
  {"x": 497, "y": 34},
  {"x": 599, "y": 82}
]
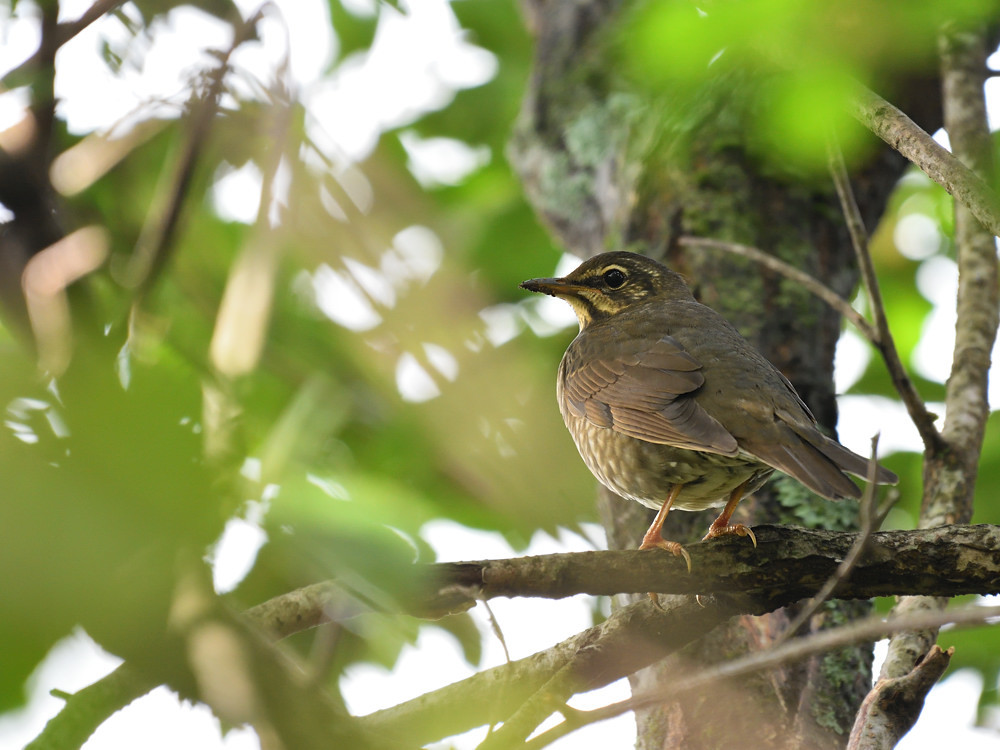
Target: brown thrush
[{"x": 670, "y": 406}]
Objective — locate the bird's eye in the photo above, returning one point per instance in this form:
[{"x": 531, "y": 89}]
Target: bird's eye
[{"x": 615, "y": 278}]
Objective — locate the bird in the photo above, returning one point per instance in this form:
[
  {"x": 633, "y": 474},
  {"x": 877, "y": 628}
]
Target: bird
[{"x": 670, "y": 406}]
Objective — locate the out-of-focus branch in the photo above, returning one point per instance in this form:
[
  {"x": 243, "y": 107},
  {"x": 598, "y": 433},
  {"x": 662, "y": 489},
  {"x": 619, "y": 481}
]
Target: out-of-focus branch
[
  {"x": 70, "y": 29},
  {"x": 226, "y": 663},
  {"x": 157, "y": 238},
  {"x": 87, "y": 709},
  {"x": 61, "y": 33}
]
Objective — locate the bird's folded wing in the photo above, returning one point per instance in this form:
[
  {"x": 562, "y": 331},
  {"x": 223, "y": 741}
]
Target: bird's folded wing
[
  {"x": 644, "y": 391},
  {"x": 802, "y": 451},
  {"x": 846, "y": 459}
]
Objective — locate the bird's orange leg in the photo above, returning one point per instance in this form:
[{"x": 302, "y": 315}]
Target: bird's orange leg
[
  {"x": 654, "y": 534},
  {"x": 721, "y": 526}
]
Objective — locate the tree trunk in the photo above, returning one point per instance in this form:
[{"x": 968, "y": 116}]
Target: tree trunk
[{"x": 606, "y": 168}]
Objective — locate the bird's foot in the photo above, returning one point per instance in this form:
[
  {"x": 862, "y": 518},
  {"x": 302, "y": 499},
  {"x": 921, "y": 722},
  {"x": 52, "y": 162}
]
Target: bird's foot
[
  {"x": 733, "y": 529},
  {"x": 651, "y": 541},
  {"x": 674, "y": 548}
]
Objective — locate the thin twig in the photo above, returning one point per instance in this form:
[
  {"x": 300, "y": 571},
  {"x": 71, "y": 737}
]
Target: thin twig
[
  {"x": 871, "y": 517},
  {"x": 810, "y": 283},
  {"x": 70, "y": 29},
  {"x": 861, "y": 631},
  {"x": 62, "y": 33},
  {"x": 495, "y": 625},
  {"x": 157, "y": 238},
  {"x": 922, "y": 418}
]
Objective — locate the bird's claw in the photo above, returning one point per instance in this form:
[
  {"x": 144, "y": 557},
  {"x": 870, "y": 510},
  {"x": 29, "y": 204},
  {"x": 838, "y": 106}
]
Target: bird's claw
[
  {"x": 675, "y": 548},
  {"x": 735, "y": 529}
]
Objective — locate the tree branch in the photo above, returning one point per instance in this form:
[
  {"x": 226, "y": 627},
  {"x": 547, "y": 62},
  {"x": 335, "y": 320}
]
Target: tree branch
[
  {"x": 63, "y": 32},
  {"x": 883, "y": 340},
  {"x": 788, "y": 564},
  {"x": 893, "y": 706},
  {"x": 90, "y": 707},
  {"x": 861, "y": 631},
  {"x": 963, "y": 55},
  {"x": 156, "y": 240},
  {"x": 906, "y": 137},
  {"x": 950, "y": 472},
  {"x": 810, "y": 283},
  {"x": 631, "y": 638}
]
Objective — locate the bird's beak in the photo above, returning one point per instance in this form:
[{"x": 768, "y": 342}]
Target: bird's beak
[{"x": 554, "y": 287}]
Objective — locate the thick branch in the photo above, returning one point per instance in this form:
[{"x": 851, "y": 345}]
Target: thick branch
[
  {"x": 978, "y": 308},
  {"x": 787, "y": 561},
  {"x": 788, "y": 564}
]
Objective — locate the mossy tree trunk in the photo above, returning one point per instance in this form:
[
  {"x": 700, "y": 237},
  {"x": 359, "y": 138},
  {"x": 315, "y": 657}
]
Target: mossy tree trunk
[{"x": 608, "y": 168}]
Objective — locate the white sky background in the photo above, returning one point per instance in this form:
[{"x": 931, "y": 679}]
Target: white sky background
[{"x": 382, "y": 92}]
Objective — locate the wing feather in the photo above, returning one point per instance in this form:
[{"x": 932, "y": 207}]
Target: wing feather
[{"x": 643, "y": 390}]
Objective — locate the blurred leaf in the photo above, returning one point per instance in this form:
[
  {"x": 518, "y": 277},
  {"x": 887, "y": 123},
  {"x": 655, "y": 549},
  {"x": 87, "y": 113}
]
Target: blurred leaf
[
  {"x": 354, "y": 32},
  {"x": 99, "y": 504},
  {"x": 804, "y": 54},
  {"x": 319, "y": 529},
  {"x": 799, "y": 114},
  {"x": 465, "y": 631}
]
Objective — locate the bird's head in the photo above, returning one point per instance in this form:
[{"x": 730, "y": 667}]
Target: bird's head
[{"x": 611, "y": 283}]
